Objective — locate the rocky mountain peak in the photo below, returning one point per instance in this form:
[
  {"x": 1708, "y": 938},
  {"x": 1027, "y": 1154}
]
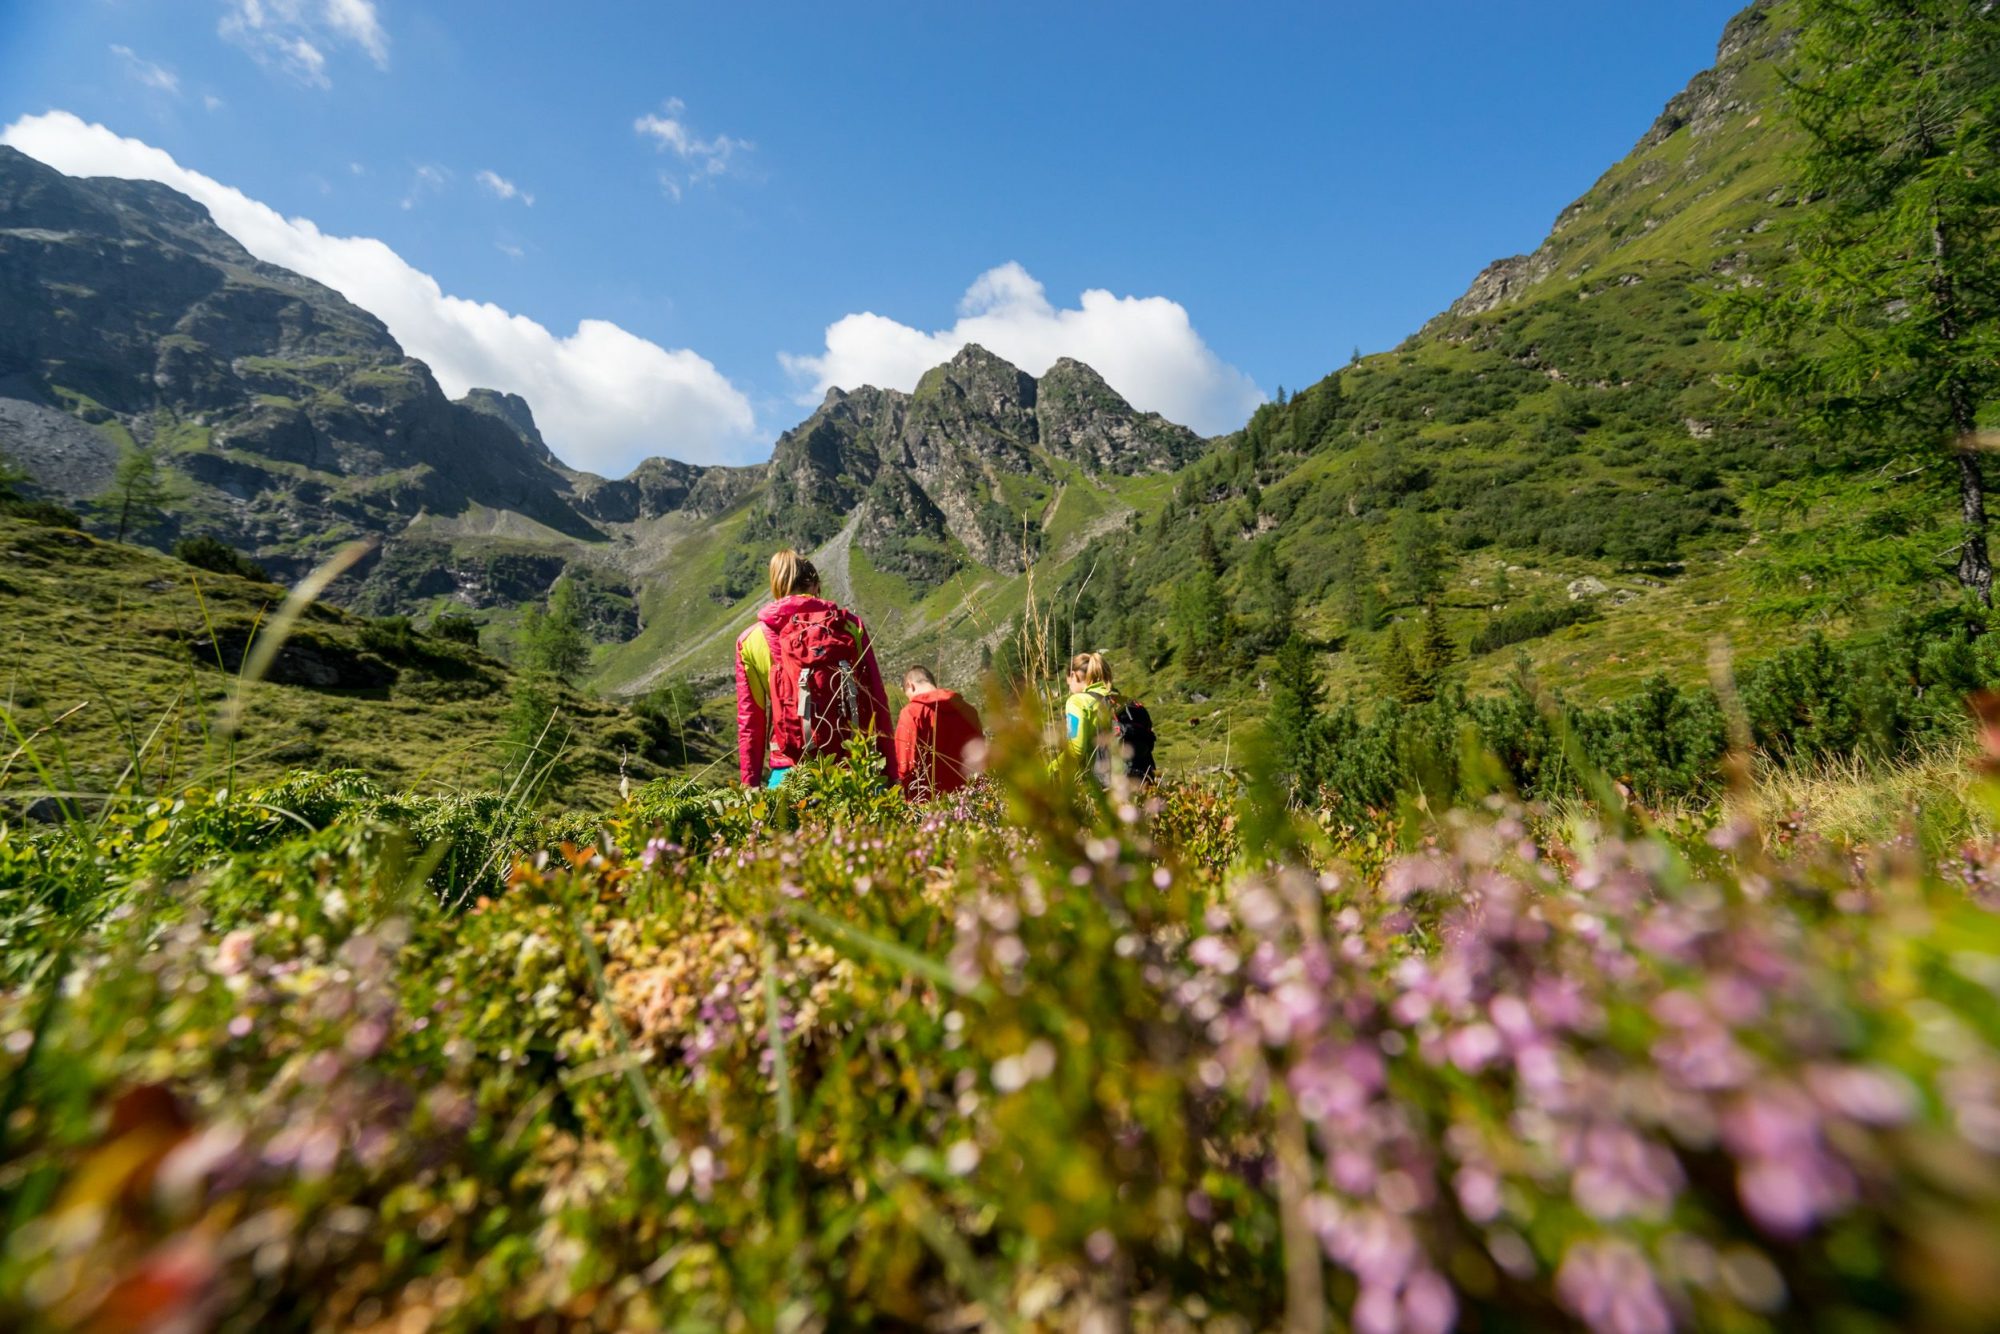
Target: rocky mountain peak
[
  {"x": 511, "y": 409},
  {"x": 982, "y": 378}
]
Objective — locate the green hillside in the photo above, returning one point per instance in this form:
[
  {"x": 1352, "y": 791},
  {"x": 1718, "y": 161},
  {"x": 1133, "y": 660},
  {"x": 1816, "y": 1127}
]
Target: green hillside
[
  {"x": 1558, "y": 463},
  {"x": 119, "y": 663}
]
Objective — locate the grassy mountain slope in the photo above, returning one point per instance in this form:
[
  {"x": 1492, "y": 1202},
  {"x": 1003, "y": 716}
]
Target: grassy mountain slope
[
  {"x": 119, "y": 658},
  {"x": 1561, "y": 444}
]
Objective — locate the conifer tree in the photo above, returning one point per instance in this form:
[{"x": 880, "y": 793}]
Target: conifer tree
[
  {"x": 1400, "y": 679},
  {"x": 140, "y": 489},
  {"x": 1297, "y": 717},
  {"x": 1206, "y": 550},
  {"x": 1435, "y": 652},
  {"x": 534, "y": 748},
  {"x": 1887, "y": 321},
  {"x": 552, "y": 638},
  {"x": 1416, "y": 556}
]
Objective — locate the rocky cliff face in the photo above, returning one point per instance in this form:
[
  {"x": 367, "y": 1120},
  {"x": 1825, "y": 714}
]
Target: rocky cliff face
[{"x": 942, "y": 466}]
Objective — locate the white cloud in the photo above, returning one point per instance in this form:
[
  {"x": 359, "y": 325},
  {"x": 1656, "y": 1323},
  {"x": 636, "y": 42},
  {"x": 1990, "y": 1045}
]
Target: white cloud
[
  {"x": 504, "y": 188},
  {"x": 212, "y": 102},
  {"x": 701, "y": 159},
  {"x": 605, "y": 397},
  {"x": 356, "y": 20},
  {"x": 1145, "y": 347},
  {"x": 427, "y": 179},
  {"x": 509, "y": 249},
  {"x": 292, "y": 36},
  {"x": 157, "y": 77}
]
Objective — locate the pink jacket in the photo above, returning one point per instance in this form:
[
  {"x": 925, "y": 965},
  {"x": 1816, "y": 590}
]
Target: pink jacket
[{"x": 755, "y": 648}]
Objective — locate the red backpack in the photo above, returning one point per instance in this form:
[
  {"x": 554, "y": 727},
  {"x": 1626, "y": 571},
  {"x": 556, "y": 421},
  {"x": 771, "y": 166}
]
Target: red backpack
[
  {"x": 945, "y": 728},
  {"x": 815, "y": 689}
]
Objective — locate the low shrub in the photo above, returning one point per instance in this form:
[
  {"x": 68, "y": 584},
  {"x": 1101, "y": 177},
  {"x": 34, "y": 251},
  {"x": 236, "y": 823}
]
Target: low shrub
[
  {"x": 209, "y": 553},
  {"x": 456, "y": 627},
  {"x": 1531, "y": 622}
]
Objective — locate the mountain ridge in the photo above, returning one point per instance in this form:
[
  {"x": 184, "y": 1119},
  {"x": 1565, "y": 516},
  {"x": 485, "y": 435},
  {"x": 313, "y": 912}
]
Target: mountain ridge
[{"x": 298, "y": 422}]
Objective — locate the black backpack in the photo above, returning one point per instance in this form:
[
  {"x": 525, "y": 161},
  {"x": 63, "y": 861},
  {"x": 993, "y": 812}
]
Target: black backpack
[{"x": 1133, "y": 727}]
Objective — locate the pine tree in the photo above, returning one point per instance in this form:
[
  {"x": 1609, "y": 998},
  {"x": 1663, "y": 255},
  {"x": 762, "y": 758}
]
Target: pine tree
[
  {"x": 1416, "y": 556},
  {"x": 1435, "y": 652},
  {"x": 552, "y": 639},
  {"x": 1200, "y": 620},
  {"x": 534, "y": 748},
  {"x": 140, "y": 490},
  {"x": 1888, "y": 319},
  {"x": 1206, "y": 550},
  {"x": 1400, "y": 678},
  {"x": 1268, "y": 591},
  {"x": 1297, "y": 718}
]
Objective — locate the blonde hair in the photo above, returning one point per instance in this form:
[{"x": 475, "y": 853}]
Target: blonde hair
[
  {"x": 792, "y": 573},
  {"x": 1092, "y": 668}
]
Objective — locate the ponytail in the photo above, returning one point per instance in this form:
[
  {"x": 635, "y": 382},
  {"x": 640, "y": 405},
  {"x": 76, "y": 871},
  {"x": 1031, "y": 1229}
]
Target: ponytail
[
  {"x": 1092, "y": 668},
  {"x": 792, "y": 573}
]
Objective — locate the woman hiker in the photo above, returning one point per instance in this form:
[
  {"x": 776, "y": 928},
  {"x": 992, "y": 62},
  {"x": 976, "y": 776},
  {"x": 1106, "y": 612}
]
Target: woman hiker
[{"x": 806, "y": 680}]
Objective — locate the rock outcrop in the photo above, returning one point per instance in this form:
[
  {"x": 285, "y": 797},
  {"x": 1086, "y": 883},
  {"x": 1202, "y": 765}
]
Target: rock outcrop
[{"x": 943, "y": 464}]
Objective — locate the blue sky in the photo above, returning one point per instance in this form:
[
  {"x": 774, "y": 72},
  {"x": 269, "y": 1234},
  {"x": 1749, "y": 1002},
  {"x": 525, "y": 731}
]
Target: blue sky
[{"x": 1252, "y": 189}]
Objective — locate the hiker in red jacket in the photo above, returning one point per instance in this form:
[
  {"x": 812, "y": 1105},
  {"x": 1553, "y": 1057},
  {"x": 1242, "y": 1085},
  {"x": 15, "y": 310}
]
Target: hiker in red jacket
[
  {"x": 806, "y": 680},
  {"x": 933, "y": 736}
]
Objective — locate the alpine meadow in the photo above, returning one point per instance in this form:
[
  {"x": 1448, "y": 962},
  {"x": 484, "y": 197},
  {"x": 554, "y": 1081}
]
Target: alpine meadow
[{"x": 1503, "y": 837}]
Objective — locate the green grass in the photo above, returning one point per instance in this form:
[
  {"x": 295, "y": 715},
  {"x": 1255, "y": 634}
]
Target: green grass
[{"x": 100, "y": 664}]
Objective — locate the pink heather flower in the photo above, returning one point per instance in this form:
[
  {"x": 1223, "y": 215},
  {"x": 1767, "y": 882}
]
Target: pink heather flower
[
  {"x": 1621, "y": 1174},
  {"x": 233, "y": 955},
  {"x": 1410, "y": 876},
  {"x": 654, "y": 850},
  {"x": 1352, "y": 1171},
  {"x": 1734, "y": 834},
  {"x": 240, "y": 1026},
  {"x": 1429, "y": 1305},
  {"x": 1478, "y": 1193},
  {"x": 1296, "y": 1011},
  {"x": 365, "y": 1038},
  {"x": 1473, "y": 1047},
  {"x": 1706, "y": 1058},
  {"x": 1868, "y": 1094},
  {"x": 1337, "y": 1081},
  {"x": 1376, "y": 1311},
  {"x": 319, "y": 1152},
  {"x": 1377, "y": 1247},
  {"x": 1736, "y": 999},
  {"x": 1539, "y": 1069},
  {"x": 1772, "y": 1119},
  {"x": 1510, "y": 1014},
  {"x": 1214, "y": 954},
  {"x": 1787, "y": 1194},
  {"x": 1609, "y": 1286}
]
